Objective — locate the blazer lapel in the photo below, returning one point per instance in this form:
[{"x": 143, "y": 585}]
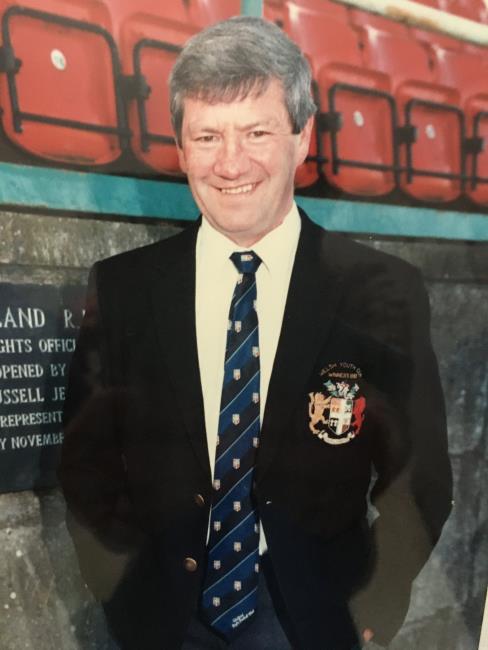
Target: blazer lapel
[
  {"x": 306, "y": 323},
  {"x": 173, "y": 300}
]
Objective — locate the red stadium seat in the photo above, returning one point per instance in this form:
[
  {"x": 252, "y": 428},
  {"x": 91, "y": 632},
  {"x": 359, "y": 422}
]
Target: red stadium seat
[
  {"x": 150, "y": 35},
  {"x": 467, "y": 71},
  {"x": 274, "y": 10},
  {"x": 464, "y": 66},
  {"x": 211, "y": 11},
  {"x": 307, "y": 173},
  {"x": 477, "y": 149},
  {"x": 354, "y": 150},
  {"x": 58, "y": 81},
  {"x": 431, "y": 132}
]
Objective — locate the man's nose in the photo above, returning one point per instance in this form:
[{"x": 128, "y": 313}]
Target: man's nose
[{"x": 232, "y": 159}]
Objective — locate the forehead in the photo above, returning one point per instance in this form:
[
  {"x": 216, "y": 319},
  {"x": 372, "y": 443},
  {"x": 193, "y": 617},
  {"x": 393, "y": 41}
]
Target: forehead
[{"x": 266, "y": 105}]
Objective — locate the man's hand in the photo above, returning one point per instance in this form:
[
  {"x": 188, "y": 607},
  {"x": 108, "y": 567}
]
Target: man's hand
[{"x": 368, "y": 634}]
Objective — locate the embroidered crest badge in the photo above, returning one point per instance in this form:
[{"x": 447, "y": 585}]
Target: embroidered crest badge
[{"x": 336, "y": 413}]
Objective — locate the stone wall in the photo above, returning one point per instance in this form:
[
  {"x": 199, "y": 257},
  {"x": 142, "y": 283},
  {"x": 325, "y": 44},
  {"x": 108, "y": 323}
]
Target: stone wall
[
  {"x": 449, "y": 594},
  {"x": 43, "y": 603}
]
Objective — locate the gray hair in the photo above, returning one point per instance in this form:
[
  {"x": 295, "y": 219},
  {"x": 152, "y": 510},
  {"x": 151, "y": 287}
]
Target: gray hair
[{"x": 235, "y": 57}]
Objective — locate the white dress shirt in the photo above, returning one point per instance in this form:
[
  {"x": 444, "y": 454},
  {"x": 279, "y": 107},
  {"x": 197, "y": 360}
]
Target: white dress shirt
[{"x": 216, "y": 278}]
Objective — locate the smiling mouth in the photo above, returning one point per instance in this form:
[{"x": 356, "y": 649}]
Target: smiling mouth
[{"x": 242, "y": 189}]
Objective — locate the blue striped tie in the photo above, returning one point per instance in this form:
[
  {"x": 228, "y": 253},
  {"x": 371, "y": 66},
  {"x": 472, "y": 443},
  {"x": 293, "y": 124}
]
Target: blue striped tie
[{"x": 231, "y": 580}]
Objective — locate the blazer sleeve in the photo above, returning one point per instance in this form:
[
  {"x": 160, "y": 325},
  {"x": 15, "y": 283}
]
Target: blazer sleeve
[
  {"x": 92, "y": 472},
  {"x": 413, "y": 489}
]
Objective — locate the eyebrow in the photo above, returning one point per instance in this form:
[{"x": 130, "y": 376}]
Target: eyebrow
[{"x": 261, "y": 124}]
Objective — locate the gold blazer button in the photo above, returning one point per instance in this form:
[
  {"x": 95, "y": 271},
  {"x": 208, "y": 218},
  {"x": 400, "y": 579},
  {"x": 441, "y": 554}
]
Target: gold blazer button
[
  {"x": 191, "y": 564},
  {"x": 199, "y": 500}
]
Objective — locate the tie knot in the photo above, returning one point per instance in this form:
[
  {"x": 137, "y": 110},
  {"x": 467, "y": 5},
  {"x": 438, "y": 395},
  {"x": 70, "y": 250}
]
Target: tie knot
[{"x": 246, "y": 261}]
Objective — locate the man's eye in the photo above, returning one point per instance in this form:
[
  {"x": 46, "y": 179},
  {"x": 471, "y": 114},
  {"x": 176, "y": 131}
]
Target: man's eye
[
  {"x": 206, "y": 139},
  {"x": 255, "y": 135}
]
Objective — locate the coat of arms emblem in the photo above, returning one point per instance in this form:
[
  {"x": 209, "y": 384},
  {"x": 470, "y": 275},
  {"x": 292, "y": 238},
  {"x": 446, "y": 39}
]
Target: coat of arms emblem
[{"x": 336, "y": 413}]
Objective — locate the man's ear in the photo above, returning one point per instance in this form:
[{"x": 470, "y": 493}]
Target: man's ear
[
  {"x": 181, "y": 158},
  {"x": 304, "y": 139}
]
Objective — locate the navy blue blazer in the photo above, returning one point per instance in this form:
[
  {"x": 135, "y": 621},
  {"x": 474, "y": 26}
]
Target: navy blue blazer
[{"x": 354, "y": 397}]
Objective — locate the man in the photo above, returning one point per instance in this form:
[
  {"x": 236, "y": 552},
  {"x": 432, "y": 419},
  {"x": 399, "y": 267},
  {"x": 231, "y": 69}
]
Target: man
[{"x": 234, "y": 388}]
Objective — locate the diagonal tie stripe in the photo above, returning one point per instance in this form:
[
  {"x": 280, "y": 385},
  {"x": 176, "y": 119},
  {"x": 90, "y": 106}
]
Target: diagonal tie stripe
[
  {"x": 255, "y": 426},
  {"x": 245, "y": 366},
  {"x": 241, "y": 298},
  {"x": 232, "y": 433},
  {"x": 248, "y": 334},
  {"x": 232, "y": 522},
  {"x": 239, "y": 603},
  {"x": 229, "y": 574},
  {"x": 230, "y": 585},
  {"x": 234, "y": 566},
  {"x": 236, "y": 397},
  {"x": 234, "y": 383},
  {"x": 231, "y": 473},
  {"x": 241, "y": 345},
  {"x": 234, "y": 490},
  {"x": 242, "y": 408},
  {"x": 251, "y": 515},
  {"x": 242, "y": 574},
  {"x": 229, "y": 558}
]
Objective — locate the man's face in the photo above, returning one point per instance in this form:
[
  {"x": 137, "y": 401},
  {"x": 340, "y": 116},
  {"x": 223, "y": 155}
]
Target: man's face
[{"x": 240, "y": 158}]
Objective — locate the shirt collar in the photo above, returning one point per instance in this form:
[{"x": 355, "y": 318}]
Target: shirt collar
[{"x": 275, "y": 249}]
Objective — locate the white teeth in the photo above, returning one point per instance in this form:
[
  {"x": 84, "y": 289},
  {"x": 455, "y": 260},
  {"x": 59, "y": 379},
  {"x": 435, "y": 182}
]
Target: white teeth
[{"x": 237, "y": 190}]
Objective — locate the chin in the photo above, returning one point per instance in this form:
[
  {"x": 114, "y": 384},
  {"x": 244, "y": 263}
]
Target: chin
[{"x": 236, "y": 225}]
